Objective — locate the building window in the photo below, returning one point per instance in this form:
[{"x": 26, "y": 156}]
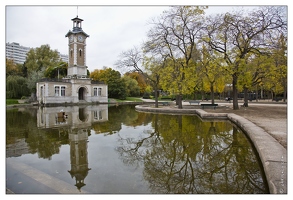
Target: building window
[
  {"x": 63, "y": 91},
  {"x": 100, "y": 92},
  {"x": 98, "y": 115},
  {"x": 80, "y": 52},
  {"x": 59, "y": 90},
  {"x": 95, "y": 92},
  {"x": 95, "y": 114},
  {"x": 56, "y": 90}
]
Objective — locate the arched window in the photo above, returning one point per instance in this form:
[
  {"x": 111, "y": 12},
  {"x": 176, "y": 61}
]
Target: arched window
[
  {"x": 80, "y": 52},
  {"x": 71, "y": 53}
]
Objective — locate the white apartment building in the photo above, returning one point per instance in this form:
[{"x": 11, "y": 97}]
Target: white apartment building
[{"x": 16, "y": 52}]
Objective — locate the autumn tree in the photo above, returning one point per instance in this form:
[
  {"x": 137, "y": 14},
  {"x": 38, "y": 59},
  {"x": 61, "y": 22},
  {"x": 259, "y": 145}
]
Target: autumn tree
[
  {"x": 280, "y": 64},
  {"x": 11, "y": 68},
  {"x": 173, "y": 37},
  {"x": 140, "y": 78},
  {"x": 211, "y": 70},
  {"x": 234, "y": 35},
  {"x": 116, "y": 86}
]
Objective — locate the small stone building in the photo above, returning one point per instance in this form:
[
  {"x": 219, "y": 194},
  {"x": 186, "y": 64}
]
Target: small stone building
[{"x": 77, "y": 87}]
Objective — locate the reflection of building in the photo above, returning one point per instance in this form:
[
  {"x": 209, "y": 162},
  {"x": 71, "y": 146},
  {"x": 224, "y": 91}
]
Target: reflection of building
[
  {"x": 77, "y": 116},
  {"x": 77, "y": 87},
  {"x": 78, "y": 121},
  {"x": 78, "y": 155}
]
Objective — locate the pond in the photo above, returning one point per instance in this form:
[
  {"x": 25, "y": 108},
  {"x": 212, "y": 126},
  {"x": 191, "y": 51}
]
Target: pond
[{"x": 99, "y": 149}]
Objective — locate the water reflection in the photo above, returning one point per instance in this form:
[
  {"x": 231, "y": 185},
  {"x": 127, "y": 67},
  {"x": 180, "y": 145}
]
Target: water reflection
[
  {"x": 78, "y": 121},
  {"x": 181, "y": 154},
  {"x": 159, "y": 153}
]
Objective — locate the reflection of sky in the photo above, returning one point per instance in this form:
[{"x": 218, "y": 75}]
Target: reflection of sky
[
  {"x": 57, "y": 166},
  {"x": 107, "y": 169}
]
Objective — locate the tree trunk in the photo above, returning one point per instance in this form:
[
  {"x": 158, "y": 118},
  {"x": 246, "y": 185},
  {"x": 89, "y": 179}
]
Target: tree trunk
[
  {"x": 245, "y": 97},
  {"x": 156, "y": 98},
  {"x": 180, "y": 101},
  {"x": 285, "y": 93},
  {"x": 235, "y": 92},
  {"x": 202, "y": 95},
  {"x": 256, "y": 94},
  {"x": 212, "y": 93}
]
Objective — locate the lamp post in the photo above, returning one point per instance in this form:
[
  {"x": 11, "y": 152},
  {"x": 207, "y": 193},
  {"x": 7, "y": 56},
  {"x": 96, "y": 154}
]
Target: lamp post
[{"x": 58, "y": 68}]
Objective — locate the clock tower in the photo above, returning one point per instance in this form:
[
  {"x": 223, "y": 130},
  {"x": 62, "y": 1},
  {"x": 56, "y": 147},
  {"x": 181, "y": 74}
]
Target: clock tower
[{"x": 77, "y": 50}]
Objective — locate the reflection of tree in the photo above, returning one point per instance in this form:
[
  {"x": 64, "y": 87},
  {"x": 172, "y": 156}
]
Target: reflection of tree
[
  {"x": 45, "y": 142},
  {"x": 118, "y": 115},
  {"x": 184, "y": 155}
]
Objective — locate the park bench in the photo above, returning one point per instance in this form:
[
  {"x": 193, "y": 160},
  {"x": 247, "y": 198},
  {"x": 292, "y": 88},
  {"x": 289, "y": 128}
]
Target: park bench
[
  {"x": 209, "y": 105},
  {"x": 193, "y": 101}
]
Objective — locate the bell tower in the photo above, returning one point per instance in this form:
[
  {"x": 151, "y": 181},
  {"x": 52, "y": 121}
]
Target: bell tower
[{"x": 77, "y": 50}]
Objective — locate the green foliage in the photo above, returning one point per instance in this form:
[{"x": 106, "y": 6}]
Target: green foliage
[
  {"x": 131, "y": 86},
  {"x": 11, "y": 101},
  {"x": 52, "y": 71},
  {"x": 37, "y": 61},
  {"x": 41, "y": 58},
  {"x": 16, "y": 87}
]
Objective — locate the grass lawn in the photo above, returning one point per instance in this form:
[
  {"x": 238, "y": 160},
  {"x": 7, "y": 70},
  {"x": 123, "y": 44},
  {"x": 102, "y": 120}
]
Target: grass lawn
[
  {"x": 135, "y": 99},
  {"x": 11, "y": 101}
]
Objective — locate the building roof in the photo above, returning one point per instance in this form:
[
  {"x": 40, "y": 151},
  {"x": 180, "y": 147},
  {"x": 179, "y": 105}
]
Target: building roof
[{"x": 74, "y": 31}]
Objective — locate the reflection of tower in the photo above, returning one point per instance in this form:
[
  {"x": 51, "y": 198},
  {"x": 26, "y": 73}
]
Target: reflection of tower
[{"x": 78, "y": 156}]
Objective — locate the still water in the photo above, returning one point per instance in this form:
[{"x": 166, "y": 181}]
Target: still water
[{"x": 117, "y": 150}]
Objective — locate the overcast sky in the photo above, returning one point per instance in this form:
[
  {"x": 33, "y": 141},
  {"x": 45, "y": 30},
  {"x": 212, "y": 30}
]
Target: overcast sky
[{"x": 112, "y": 29}]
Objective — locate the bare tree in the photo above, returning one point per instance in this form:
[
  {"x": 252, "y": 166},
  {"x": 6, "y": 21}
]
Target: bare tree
[{"x": 133, "y": 61}]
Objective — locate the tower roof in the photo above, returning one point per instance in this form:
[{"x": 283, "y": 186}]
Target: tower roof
[
  {"x": 76, "y": 18},
  {"x": 76, "y": 27}
]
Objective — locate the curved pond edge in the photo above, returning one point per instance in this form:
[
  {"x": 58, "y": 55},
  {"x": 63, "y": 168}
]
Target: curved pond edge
[{"x": 272, "y": 154}]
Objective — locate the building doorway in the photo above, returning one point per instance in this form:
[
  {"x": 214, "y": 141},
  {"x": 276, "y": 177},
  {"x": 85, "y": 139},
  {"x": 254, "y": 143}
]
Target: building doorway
[{"x": 81, "y": 93}]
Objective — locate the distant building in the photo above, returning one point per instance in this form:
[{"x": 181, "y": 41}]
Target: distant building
[
  {"x": 17, "y": 53},
  {"x": 77, "y": 87},
  {"x": 63, "y": 57}
]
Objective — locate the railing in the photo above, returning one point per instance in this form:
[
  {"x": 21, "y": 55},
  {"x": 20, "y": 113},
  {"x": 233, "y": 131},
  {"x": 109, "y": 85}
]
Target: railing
[
  {"x": 68, "y": 79},
  {"x": 53, "y": 80},
  {"x": 97, "y": 82}
]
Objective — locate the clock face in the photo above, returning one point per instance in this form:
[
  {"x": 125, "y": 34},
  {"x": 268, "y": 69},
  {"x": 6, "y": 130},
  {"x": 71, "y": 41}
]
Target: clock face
[
  {"x": 71, "y": 38},
  {"x": 80, "y": 38}
]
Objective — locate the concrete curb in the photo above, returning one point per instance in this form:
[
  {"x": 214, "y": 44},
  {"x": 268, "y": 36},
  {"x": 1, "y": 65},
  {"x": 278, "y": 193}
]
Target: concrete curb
[{"x": 272, "y": 154}]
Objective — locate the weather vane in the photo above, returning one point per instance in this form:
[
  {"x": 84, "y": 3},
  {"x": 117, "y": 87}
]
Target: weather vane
[{"x": 77, "y": 11}]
